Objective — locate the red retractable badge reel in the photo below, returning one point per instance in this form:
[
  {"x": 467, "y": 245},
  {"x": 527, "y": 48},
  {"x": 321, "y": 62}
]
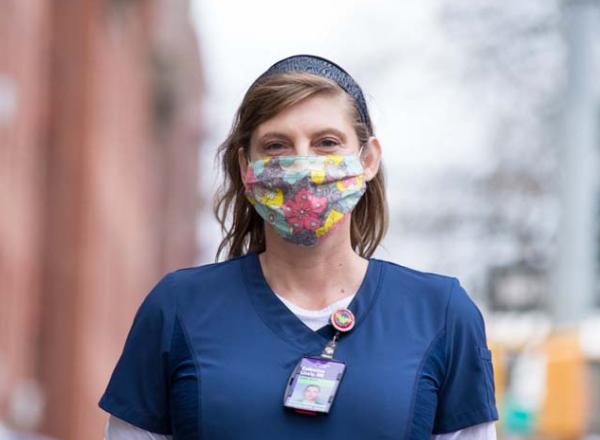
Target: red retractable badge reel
[{"x": 343, "y": 320}]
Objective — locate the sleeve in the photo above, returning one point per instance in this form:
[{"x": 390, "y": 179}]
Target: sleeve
[
  {"x": 466, "y": 396},
  {"x": 117, "y": 429},
  {"x": 138, "y": 390},
  {"x": 483, "y": 431}
]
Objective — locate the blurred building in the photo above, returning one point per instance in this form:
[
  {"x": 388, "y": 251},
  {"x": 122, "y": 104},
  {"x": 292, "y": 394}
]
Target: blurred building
[{"x": 99, "y": 126}]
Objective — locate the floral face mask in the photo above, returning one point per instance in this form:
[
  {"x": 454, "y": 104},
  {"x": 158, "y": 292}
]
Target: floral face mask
[{"x": 305, "y": 197}]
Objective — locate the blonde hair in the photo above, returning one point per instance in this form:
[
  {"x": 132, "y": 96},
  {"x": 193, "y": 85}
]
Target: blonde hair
[{"x": 245, "y": 233}]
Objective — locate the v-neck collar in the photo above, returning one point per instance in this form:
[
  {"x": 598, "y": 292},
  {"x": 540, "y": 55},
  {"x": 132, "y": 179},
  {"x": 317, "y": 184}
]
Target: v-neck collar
[{"x": 282, "y": 320}]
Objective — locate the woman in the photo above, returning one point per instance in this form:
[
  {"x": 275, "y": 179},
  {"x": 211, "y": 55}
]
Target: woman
[{"x": 212, "y": 348}]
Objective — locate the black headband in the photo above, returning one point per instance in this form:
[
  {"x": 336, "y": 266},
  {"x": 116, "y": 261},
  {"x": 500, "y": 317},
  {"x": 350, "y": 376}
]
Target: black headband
[{"x": 321, "y": 66}]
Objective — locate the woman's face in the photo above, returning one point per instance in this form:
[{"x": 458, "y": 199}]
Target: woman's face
[{"x": 311, "y": 393}]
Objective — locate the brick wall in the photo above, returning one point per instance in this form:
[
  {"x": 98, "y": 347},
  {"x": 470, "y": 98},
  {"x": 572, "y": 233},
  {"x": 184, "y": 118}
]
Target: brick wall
[{"x": 99, "y": 127}]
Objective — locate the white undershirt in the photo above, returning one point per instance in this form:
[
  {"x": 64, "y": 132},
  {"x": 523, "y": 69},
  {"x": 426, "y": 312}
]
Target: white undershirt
[
  {"x": 117, "y": 429},
  {"x": 315, "y": 319}
]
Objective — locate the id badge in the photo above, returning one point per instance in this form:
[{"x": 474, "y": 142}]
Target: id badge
[{"x": 313, "y": 384}]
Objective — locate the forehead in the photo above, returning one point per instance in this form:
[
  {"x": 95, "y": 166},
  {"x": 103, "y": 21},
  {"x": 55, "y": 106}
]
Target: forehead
[{"x": 310, "y": 115}]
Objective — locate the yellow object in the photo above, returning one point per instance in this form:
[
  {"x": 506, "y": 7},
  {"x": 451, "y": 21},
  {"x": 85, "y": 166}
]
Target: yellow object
[
  {"x": 341, "y": 185},
  {"x": 564, "y": 409},
  {"x": 317, "y": 176},
  {"x": 274, "y": 198},
  {"x": 333, "y": 159},
  {"x": 332, "y": 218}
]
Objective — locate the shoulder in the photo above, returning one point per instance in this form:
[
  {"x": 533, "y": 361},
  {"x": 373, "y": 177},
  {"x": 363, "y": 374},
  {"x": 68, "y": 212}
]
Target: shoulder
[
  {"x": 206, "y": 272},
  {"x": 417, "y": 285},
  {"x": 196, "y": 285},
  {"x": 171, "y": 284},
  {"x": 196, "y": 277},
  {"x": 441, "y": 293}
]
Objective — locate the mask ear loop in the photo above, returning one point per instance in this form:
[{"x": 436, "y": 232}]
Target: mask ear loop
[{"x": 360, "y": 152}]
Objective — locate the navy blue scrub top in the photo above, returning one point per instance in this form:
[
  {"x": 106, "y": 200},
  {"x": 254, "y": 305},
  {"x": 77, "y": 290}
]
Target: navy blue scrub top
[{"x": 211, "y": 349}]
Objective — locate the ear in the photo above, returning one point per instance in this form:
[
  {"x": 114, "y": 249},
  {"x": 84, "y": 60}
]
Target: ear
[
  {"x": 371, "y": 158},
  {"x": 243, "y": 163}
]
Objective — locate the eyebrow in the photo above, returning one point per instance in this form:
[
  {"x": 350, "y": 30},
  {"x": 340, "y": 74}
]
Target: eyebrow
[{"x": 276, "y": 134}]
